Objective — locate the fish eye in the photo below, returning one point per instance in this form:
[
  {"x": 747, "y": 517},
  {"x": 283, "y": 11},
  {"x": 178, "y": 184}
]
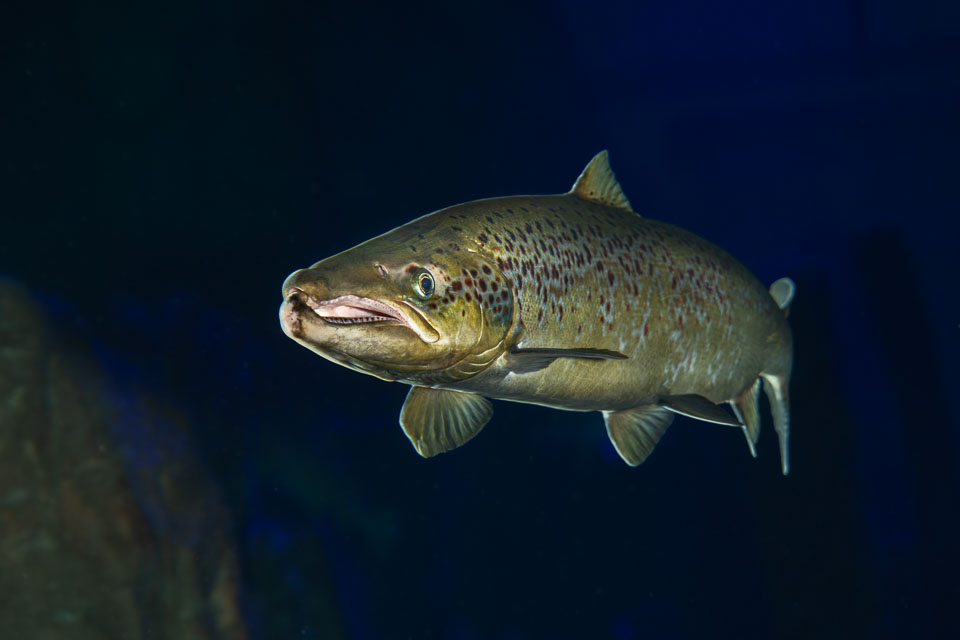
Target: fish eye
[{"x": 425, "y": 284}]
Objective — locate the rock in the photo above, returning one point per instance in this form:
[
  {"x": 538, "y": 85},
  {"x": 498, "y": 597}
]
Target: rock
[{"x": 110, "y": 527}]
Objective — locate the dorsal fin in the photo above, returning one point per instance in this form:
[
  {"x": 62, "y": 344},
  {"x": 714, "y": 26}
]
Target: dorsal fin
[{"x": 598, "y": 183}]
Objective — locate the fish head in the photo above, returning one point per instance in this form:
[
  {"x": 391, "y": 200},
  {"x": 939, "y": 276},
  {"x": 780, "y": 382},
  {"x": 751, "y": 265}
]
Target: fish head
[{"x": 411, "y": 305}]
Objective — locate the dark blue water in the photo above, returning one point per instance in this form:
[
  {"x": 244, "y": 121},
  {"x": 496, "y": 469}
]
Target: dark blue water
[{"x": 165, "y": 167}]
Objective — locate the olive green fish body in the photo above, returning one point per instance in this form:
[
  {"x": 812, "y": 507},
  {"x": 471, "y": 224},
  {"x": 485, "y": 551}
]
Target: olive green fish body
[
  {"x": 571, "y": 301},
  {"x": 689, "y": 318}
]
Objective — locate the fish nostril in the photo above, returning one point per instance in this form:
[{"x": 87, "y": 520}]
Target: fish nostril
[{"x": 307, "y": 282}]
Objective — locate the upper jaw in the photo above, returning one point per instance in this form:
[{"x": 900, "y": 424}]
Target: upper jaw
[{"x": 349, "y": 310}]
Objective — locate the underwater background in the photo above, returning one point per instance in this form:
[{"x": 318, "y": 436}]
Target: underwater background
[{"x": 172, "y": 466}]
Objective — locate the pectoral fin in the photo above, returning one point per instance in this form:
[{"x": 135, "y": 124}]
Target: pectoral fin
[
  {"x": 694, "y": 406},
  {"x": 438, "y": 420},
  {"x": 530, "y": 360},
  {"x": 635, "y": 432}
]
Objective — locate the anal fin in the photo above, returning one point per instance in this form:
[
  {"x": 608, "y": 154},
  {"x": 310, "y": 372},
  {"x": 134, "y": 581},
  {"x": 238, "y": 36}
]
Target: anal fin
[
  {"x": 635, "y": 432},
  {"x": 776, "y": 389},
  {"x": 438, "y": 420},
  {"x": 745, "y": 408},
  {"x": 695, "y": 406}
]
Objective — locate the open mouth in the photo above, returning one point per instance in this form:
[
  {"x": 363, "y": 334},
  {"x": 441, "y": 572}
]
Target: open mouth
[{"x": 354, "y": 310}]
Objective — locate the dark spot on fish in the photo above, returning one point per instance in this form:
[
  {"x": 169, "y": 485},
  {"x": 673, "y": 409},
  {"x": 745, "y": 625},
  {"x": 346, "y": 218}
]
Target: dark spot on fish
[
  {"x": 413, "y": 248},
  {"x": 504, "y": 294},
  {"x": 457, "y": 285},
  {"x": 608, "y": 306},
  {"x": 469, "y": 297},
  {"x": 473, "y": 272},
  {"x": 540, "y": 315},
  {"x": 610, "y": 276},
  {"x": 494, "y": 286},
  {"x": 438, "y": 250},
  {"x": 412, "y": 269},
  {"x": 483, "y": 285},
  {"x": 486, "y": 269},
  {"x": 528, "y": 228},
  {"x": 457, "y": 228},
  {"x": 468, "y": 282},
  {"x": 463, "y": 313},
  {"x": 483, "y": 238}
]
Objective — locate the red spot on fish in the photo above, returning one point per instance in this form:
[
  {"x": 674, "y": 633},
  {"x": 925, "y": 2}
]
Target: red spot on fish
[
  {"x": 412, "y": 269},
  {"x": 469, "y": 297},
  {"x": 540, "y": 315},
  {"x": 468, "y": 282},
  {"x": 599, "y": 265},
  {"x": 646, "y": 330},
  {"x": 610, "y": 277}
]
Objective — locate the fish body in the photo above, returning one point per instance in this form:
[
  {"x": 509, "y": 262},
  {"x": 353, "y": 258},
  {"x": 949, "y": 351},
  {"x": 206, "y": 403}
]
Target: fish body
[{"x": 571, "y": 301}]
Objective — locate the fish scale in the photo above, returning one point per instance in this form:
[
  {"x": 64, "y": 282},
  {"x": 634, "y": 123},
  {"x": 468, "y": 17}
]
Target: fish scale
[{"x": 572, "y": 301}]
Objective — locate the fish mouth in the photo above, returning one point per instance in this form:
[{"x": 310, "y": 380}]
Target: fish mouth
[
  {"x": 355, "y": 310},
  {"x": 350, "y": 310}
]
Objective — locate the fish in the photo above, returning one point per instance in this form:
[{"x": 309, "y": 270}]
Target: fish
[{"x": 571, "y": 301}]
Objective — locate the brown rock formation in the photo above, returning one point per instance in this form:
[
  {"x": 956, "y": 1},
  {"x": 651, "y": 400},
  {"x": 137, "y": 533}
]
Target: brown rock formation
[{"x": 109, "y": 527}]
